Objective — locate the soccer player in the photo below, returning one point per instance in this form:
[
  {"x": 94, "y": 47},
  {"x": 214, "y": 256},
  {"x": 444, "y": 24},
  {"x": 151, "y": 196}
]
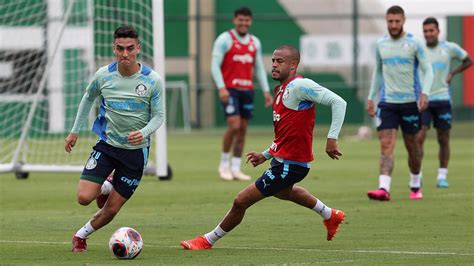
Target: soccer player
[
  {"x": 291, "y": 150},
  {"x": 398, "y": 57},
  {"x": 235, "y": 55},
  {"x": 439, "y": 108},
  {"x": 131, "y": 110}
]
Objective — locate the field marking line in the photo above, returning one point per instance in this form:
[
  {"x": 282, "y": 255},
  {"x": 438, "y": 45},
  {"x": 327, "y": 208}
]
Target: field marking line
[{"x": 435, "y": 253}]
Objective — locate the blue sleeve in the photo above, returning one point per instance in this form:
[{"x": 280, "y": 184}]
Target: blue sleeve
[
  {"x": 377, "y": 76},
  {"x": 157, "y": 110},
  {"x": 87, "y": 101},
  {"x": 260, "y": 67},
  {"x": 220, "y": 48}
]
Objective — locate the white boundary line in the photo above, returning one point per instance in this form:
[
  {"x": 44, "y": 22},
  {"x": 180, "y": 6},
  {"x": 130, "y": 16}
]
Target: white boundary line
[{"x": 398, "y": 252}]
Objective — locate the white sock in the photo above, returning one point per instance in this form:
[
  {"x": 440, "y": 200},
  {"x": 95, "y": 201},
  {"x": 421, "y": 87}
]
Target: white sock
[
  {"x": 322, "y": 210},
  {"x": 442, "y": 173},
  {"x": 224, "y": 160},
  {"x": 235, "y": 164},
  {"x": 415, "y": 180},
  {"x": 384, "y": 182},
  {"x": 215, "y": 235},
  {"x": 106, "y": 188},
  {"x": 85, "y": 231}
]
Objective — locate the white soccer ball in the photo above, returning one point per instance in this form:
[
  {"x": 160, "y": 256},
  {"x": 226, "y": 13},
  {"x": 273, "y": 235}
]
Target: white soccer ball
[
  {"x": 364, "y": 132},
  {"x": 126, "y": 243}
]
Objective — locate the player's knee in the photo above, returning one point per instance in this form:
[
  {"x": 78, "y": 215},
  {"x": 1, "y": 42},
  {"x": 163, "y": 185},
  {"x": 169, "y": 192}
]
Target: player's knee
[
  {"x": 84, "y": 199},
  {"x": 240, "y": 203}
]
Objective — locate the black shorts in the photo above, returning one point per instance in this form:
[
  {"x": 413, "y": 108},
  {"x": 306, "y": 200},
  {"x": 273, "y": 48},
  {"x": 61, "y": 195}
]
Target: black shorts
[
  {"x": 240, "y": 103},
  {"x": 405, "y": 115},
  {"x": 441, "y": 114},
  {"x": 128, "y": 166},
  {"x": 280, "y": 176}
]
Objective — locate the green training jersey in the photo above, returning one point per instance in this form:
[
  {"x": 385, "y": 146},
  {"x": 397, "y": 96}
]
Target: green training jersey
[
  {"x": 440, "y": 57},
  {"x": 396, "y": 70},
  {"x": 126, "y": 104}
]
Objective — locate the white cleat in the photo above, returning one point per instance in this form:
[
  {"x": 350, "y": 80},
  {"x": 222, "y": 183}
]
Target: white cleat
[
  {"x": 238, "y": 175},
  {"x": 225, "y": 173}
]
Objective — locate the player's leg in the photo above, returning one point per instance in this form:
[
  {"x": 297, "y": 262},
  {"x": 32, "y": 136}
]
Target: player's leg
[
  {"x": 442, "y": 122},
  {"x": 108, "y": 212},
  {"x": 410, "y": 124},
  {"x": 245, "y": 98},
  {"x": 244, "y": 199},
  {"x": 426, "y": 117},
  {"x": 388, "y": 122},
  {"x": 231, "y": 112}
]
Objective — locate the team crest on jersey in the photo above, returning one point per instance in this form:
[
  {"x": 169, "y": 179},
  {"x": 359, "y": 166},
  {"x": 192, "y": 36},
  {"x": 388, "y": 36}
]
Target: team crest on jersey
[
  {"x": 251, "y": 48},
  {"x": 91, "y": 163},
  {"x": 141, "y": 90}
]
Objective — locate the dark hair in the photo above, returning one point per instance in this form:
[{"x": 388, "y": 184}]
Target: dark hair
[
  {"x": 244, "y": 11},
  {"x": 431, "y": 20},
  {"x": 125, "y": 32},
  {"x": 294, "y": 52},
  {"x": 395, "y": 10}
]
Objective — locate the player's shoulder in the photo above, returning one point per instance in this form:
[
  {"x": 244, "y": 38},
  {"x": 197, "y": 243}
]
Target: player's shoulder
[
  {"x": 413, "y": 38},
  {"x": 301, "y": 83},
  {"x": 224, "y": 36},
  {"x": 450, "y": 45},
  {"x": 148, "y": 73},
  {"x": 383, "y": 39}
]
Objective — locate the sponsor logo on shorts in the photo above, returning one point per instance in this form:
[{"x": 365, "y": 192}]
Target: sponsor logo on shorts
[
  {"x": 91, "y": 163},
  {"x": 130, "y": 182}
]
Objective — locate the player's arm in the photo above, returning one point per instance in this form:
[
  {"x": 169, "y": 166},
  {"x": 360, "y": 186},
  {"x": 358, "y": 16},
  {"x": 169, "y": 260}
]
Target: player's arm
[
  {"x": 428, "y": 75},
  {"x": 262, "y": 74},
  {"x": 85, "y": 106},
  {"x": 311, "y": 91},
  {"x": 157, "y": 116},
  {"x": 375, "y": 84},
  {"x": 221, "y": 45},
  {"x": 462, "y": 55}
]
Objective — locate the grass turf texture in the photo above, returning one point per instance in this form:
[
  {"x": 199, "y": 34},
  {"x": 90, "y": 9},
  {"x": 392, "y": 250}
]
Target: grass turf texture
[{"x": 39, "y": 215}]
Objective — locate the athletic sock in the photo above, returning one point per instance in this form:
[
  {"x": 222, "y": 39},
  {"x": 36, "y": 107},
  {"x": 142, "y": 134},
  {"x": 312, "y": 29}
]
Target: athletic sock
[
  {"x": 106, "y": 188},
  {"x": 442, "y": 173},
  {"x": 322, "y": 210},
  {"x": 415, "y": 181},
  {"x": 384, "y": 182},
  {"x": 224, "y": 160},
  {"x": 215, "y": 235},
  {"x": 85, "y": 231},
  {"x": 235, "y": 164}
]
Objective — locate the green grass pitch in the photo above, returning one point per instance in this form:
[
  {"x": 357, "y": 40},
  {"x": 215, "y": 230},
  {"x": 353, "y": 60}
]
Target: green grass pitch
[{"x": 39, "y": 215}]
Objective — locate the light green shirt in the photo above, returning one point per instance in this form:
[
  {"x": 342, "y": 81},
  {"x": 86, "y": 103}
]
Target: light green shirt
[
  {"x": 126, "y": 104},
  {"x": 396, "y": 70},
  {"x": 440, "y": 57}
]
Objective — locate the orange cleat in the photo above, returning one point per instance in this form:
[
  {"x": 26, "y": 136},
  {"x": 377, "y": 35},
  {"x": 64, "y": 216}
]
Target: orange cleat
[
  {"x": 78, "y": 244},
  {"x": 198, "y": 243},
  {"x": 332, "y": 224}
]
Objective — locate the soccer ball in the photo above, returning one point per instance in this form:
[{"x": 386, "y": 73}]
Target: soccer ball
[{"x": 126, "y": 243}]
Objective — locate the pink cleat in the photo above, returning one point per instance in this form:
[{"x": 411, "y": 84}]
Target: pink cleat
[
  {"x": 78, "y": 244},
  {"x": 416, "y": 195},
  {"x": 198, "y": 243},
  {"x": 379, "y": 194}
]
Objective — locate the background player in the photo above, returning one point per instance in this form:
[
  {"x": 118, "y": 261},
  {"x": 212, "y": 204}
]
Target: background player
[
  {"x": 235, "y": 55},
  {"x": 396, "y": 77},
  {"x": 439, "y": 108},
  {"x": 291, "y": 150},
  {"x": 131, "y": 110}
]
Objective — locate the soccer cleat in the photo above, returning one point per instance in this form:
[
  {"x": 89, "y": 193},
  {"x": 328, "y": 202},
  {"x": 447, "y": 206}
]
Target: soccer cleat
[
  {"x": 198, "y": 243},
  {"x": 332, "y": 224},
  {"x": 102, "y": 198},
  {"x": 238, "y": 175},
  {"x": 442, "y": 183},
  {"x": 416, "y": 195},
  {"x": 225, "y": 173},
  {"x": 379, "y": 194},
  {"x": 78, "y": 244}
]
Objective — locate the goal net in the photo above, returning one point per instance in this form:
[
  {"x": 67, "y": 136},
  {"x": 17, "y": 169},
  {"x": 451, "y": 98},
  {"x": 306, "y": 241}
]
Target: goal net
[{"x": 49, "y": 50}]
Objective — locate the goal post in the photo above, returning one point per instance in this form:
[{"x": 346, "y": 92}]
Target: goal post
[{"x": 49, "y": 51}]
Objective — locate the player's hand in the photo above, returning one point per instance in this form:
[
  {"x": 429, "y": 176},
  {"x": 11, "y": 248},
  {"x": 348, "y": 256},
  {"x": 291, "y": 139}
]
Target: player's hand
[
  {"x": 423, "y": 102},
  {"x": 268, "y": 99},
  {"x": 135, "y": 137},
  {"x": 332, "y": 149},
  {"x": 449, "y": 78},
  {"x": 224, "y": 95},
  {"x": 255, "y": 158},
  {"x": 70, "y": 142},
  {"x": 370, "y": 108}
]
